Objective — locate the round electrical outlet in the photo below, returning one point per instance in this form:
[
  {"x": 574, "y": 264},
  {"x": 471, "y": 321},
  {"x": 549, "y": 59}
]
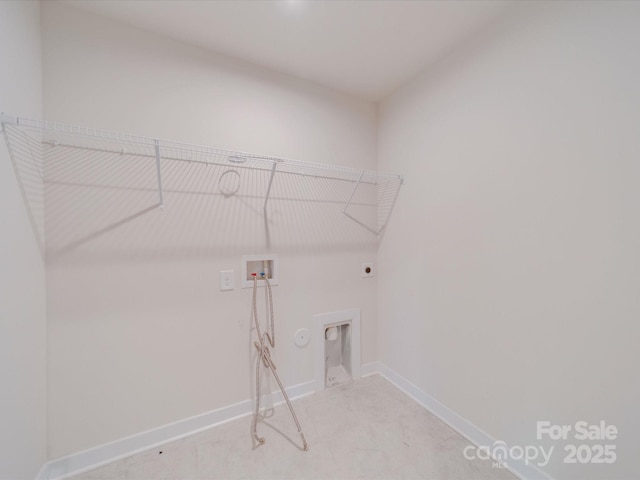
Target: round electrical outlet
[
  {"x": 302, "y": 337},
  {"x": 367, "y": 269}
]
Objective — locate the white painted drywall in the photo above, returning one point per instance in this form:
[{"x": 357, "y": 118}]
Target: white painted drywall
[
  {"x": 509, "y": 277},
  {"x": 22, "y": 279},
  {"x": 139, "y": 333}
]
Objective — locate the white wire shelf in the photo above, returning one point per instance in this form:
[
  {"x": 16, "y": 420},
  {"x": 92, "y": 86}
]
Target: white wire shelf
[{"x": 57, "y": 141}]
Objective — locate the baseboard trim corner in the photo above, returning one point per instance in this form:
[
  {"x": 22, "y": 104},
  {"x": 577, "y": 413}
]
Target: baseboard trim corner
[
  {"x": 371, "y": 368},
  {"x": 460, "y": 424},
  {"x": 42, "y": 473}
]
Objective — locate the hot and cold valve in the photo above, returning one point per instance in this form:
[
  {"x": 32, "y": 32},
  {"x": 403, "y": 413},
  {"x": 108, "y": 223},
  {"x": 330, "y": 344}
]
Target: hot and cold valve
[{"x": 263, "y": 266}]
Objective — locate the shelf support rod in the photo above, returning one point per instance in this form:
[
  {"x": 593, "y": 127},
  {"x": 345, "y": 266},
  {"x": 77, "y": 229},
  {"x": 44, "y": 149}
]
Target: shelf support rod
[
  {"x": 353, "y": 192},
  {"x": 157, "y": 147},
  {"x": 266, "y": 199},
  {"x": 349, "y": 202}
]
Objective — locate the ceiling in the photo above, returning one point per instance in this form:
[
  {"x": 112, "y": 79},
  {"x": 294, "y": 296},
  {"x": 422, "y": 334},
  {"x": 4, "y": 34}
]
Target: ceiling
[{"x": 364, "y": 48}]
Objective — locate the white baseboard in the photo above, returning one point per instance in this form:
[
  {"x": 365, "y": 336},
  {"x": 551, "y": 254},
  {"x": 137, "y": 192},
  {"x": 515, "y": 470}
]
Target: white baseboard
[
  {"x": 101, "y": 455},
  {"x": 42, "y": 474},
  {"x": 370, "y": 368},
  {"x": 125, "y": 447},
  {"x": 460, "y": 424}
]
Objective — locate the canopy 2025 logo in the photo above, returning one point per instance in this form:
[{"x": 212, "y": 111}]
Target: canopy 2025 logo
[{"x": 598, "y": 450}]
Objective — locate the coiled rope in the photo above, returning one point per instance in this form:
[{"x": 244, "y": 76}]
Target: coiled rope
[{"x": 264, "y": 358}]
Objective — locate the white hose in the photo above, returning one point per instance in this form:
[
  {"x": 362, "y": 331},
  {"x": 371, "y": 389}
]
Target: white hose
[{"x": 264, "y": 354}]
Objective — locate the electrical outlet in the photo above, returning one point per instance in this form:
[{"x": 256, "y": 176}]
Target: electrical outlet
[
  {"x": 226, "y": 280},
  {"x": 367, "y": 270}
]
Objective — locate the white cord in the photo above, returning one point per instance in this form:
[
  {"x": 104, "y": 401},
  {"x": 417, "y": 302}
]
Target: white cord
[{"x": 264, "y": 354}]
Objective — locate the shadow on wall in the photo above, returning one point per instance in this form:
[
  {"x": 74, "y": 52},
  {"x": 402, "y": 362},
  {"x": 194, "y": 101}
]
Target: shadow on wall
[
  {"x": 25, "y": 152},
  {"x": 101, "y": 203}
]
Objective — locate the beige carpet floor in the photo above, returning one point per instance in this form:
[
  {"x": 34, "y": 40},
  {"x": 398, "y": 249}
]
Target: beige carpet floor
[{"x": 367, "y": 429}]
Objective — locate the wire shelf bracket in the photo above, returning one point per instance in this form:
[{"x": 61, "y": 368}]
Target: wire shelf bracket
[
  {"x": 158, "y": 169},
  {"x": 266, "y": 198}
]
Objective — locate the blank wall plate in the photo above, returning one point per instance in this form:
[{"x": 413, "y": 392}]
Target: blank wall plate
[{"x": 302, "y": 337}]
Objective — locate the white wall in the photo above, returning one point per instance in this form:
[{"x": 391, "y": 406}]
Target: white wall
[
  {"x": 139, "y": 333},
  {"x": 22, "y": 280},
  {"x": 509, "y": 275}
]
